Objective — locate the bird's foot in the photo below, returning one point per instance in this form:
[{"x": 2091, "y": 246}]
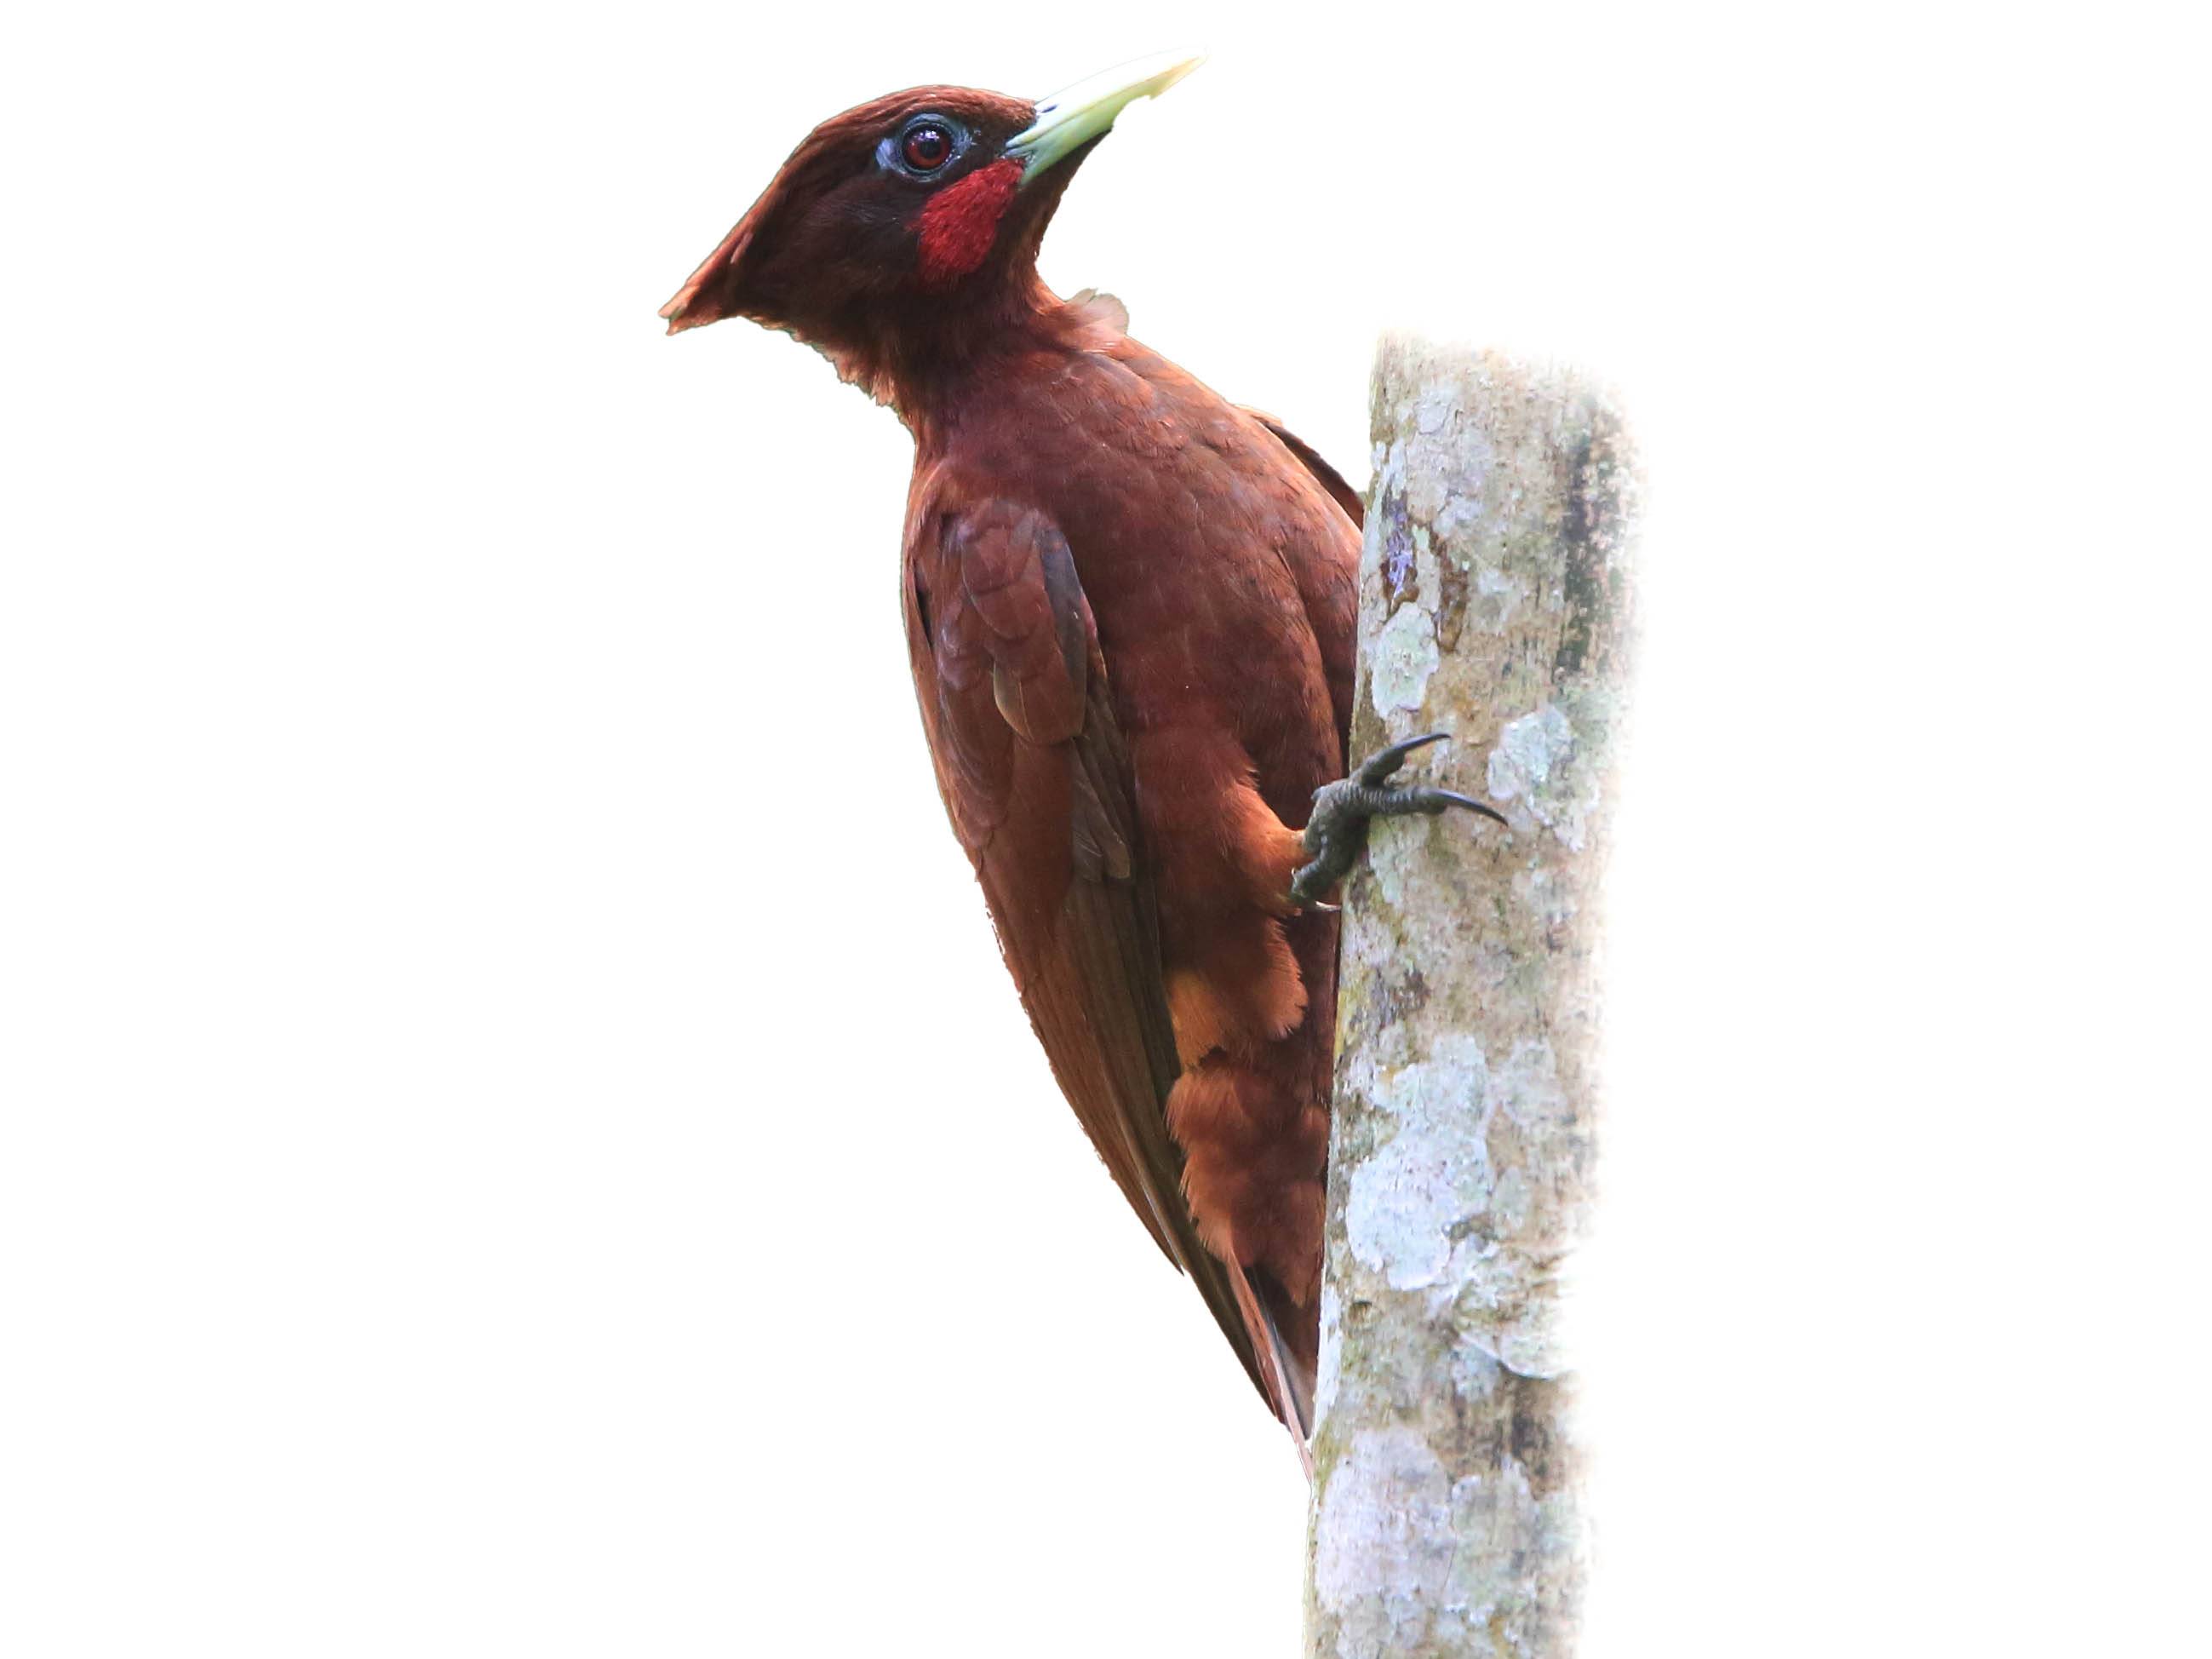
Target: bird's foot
[{"x": 1336, "y": 832}]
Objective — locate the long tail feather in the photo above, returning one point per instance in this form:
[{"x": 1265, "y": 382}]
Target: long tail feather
[{"x": 1290, "y": 1389}]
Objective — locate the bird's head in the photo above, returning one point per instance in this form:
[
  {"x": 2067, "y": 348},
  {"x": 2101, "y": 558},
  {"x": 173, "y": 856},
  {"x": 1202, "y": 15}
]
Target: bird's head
[{"x": 910, "y": 213}]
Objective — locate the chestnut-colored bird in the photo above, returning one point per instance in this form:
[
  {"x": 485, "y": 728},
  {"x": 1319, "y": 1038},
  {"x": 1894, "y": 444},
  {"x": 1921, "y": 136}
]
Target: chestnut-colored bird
[{"x": 1129, "y": 606}]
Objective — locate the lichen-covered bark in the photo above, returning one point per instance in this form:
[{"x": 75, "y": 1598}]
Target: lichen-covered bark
[{"x": 1494, "y": 603}]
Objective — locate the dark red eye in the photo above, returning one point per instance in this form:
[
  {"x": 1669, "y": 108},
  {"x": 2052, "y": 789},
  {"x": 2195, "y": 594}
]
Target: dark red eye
[{"x": 926, "y": 149}]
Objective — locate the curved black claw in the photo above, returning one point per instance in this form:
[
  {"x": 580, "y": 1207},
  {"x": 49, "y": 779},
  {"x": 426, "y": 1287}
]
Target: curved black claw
[
  {"x": 1383, "y": 762},
  {"x": 1336, "y": 834}
]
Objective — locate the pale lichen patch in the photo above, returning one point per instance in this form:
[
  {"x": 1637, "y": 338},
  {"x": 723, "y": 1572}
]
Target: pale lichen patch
[
  {"x": 1476, "y": 1373},
  {"x": 1511, "y": 1203},
  {"x": 1393, "y": 850},
  {"x": 1534, "y": 1342},
  {"x": 1410, "y": 1202},
  {"x": 1543, "y": 895},
  {"x": 1497, "y": 599},
  {"x": 1459, "y": 521},
  {"x": 1542, "y": 760},
  {"x": 1494, "y": 1517},
  {"x": 1407, "y": 873},
  {"x": 1528, "y": 749},
  {"x": 1386, "y": 1550},
  {"x": 1527, "y": 1090},
  {"x": 1404, "y": 658},
  {"x": 1442, "y": 462},
  {"x": 1405, "y": 1202}
]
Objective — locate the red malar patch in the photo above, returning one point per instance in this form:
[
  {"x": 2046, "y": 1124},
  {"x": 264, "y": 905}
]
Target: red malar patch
[{"x": 959, "y": 225}]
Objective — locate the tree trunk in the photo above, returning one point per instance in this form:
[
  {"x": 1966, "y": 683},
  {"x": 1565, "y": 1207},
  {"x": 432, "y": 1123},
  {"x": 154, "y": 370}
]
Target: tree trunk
[{"x": 1494, "y": 604}]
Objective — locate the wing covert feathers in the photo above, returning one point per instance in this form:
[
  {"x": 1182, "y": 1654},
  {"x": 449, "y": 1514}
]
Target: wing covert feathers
[{"x": 1036, "y": 777}]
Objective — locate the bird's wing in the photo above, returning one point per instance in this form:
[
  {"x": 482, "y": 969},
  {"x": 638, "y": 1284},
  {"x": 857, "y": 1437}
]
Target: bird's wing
[
  {"x": 1310, "y": 458},
  {"x": 1015, "y": 700}
]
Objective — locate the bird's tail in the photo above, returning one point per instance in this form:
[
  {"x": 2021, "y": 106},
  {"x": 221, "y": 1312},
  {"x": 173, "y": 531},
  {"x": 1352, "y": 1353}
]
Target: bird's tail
[{"x": 1287, "y": 1376}]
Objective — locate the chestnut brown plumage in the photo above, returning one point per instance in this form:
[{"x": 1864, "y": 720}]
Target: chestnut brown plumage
[{"x": 1129, "y": 608}]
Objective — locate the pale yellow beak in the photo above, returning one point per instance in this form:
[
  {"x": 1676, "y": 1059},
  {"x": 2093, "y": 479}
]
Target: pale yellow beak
[{"x": 1072, "y": 118}]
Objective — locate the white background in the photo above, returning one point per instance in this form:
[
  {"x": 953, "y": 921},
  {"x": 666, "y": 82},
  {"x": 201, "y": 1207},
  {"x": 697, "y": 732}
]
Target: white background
[{"x": 516, "y": 1140}]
